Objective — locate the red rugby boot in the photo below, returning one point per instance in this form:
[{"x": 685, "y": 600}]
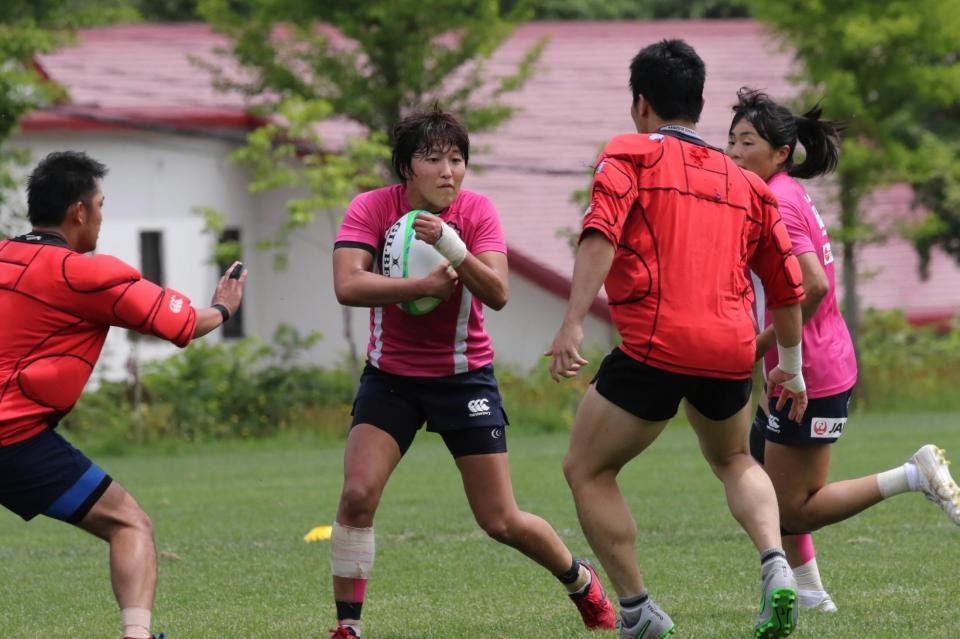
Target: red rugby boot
[{"x": 594, "y": 605}]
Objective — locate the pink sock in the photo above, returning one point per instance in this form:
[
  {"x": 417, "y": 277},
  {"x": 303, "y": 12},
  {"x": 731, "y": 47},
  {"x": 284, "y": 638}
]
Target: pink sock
[{"x": 804, "y": 546}]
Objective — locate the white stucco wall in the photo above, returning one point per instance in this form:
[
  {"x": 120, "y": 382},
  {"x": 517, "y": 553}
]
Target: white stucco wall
[
  {"x": 155, "y": 183},
  {"x": 524, "y": 329}
]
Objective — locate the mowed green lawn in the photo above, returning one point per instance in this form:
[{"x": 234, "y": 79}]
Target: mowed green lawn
[{"x": 230, "y": 522}]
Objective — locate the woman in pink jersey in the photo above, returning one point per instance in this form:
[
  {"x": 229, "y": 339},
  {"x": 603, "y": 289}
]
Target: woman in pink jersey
[
  {"x": 434, "y": 368},
  {"x": 762, "y": 138}
]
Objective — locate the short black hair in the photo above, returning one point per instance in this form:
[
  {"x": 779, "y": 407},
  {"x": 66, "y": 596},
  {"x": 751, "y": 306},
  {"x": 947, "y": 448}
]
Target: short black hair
[
  {"x": 669, "y": 75},
  {"x": 424, "y": 131},
  {"x": 777, "y": 125},
  {"x": 59, "y": 180}
]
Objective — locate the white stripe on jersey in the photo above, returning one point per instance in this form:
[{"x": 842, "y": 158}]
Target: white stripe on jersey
[
  {"x": 377, "y": 337},
  {"x": 760, "y": 305},
  {"x": 460, "y": 364},
  {"x": 760, "y": 310}
]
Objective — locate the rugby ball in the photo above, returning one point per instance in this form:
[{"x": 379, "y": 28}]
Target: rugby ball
[{"x": 406, "y": 256}]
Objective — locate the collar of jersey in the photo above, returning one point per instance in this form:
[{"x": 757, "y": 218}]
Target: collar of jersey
[{"x": 42, "y": 237}]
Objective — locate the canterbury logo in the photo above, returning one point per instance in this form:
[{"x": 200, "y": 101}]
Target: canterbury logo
[
  {"x": 176, "y": 304},
  {"x": 478, "y": 407}
]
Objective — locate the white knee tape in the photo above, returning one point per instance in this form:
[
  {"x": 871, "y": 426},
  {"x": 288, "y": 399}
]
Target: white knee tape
[{"x": 351, "y": 551}]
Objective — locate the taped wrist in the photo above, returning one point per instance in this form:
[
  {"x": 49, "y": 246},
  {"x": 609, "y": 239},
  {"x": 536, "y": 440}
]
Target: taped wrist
[
  {"x": 450, "y": 246},
  {"x": 791, "y": 358},
  {"x": 795, "y": 384},
  {"x": 351, "y": 551}
]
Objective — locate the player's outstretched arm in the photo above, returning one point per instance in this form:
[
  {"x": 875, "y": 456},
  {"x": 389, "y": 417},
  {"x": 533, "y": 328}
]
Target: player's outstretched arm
[
  {"x": 788, "y": 325},
  {"x": 594, "y": 257},
  {"x": 356, "y": 285},
  {"x": 225, "y": 302}
]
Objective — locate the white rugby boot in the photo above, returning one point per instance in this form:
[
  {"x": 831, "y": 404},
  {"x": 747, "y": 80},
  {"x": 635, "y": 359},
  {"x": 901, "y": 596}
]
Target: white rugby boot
[{"x": 936, "y": 483}]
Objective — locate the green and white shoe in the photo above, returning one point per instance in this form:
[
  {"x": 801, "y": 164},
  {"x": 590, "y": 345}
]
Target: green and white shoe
[
  {"x": 647, "y": 621},
  {"x": 778, "y": 601}
]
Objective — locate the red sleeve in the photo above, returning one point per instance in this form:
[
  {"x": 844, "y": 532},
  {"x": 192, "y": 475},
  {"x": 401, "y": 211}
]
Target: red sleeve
[
  {"x": 612, "y": 197},
  {"x": 772, "y": 259},
  {"x": 105, "y": 290}
]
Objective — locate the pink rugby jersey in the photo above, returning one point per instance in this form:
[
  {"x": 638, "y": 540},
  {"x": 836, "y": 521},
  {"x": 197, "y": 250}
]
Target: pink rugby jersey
[
  {"x": 450, "y": 339},
  {"x": 829, "y": 363}
]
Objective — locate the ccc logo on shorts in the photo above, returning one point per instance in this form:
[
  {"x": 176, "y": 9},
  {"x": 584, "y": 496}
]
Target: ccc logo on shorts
[{"x": 478, "y": 407}]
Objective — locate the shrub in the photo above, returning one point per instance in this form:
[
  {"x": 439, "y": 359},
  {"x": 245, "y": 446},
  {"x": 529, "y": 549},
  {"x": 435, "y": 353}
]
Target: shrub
[
  {"x": 905, "y": 367},
  {"x": 248, "y": 389},
  {"x": 220, "y": 390}
]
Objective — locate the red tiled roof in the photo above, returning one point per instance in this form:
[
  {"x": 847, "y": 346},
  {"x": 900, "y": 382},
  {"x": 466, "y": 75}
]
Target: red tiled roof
[{"x": 532, "y": 164}]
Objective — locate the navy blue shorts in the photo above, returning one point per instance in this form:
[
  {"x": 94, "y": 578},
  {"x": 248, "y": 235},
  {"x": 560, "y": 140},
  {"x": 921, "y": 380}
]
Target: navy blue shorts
[
  {"x": 465, "y": 409},
  {"x": 46, "y": 475},
  {"x": 654, "y": 395},
  {"x": 822, "y": 423}
]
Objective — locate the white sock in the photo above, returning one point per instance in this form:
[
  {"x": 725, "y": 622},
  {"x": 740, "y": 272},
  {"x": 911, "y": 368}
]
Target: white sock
[
  {"x": 808, "y": 576},
  {"x": 584, "y": 578},
  {"x": 901, "y": 479},
  {"x": 136, "y": 623}
]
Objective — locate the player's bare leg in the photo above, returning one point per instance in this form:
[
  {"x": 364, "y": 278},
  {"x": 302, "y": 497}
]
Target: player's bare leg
[
  {"x": 750, "y": 493},
  {"x": 605, "y": 437},
  {"x": 753, "y": 502},
  {"x": 118, "y": 519},
  {"x": 370, "y": 457},
  {"x": 799, "y": 548},
  {"x": 489, "y": 490},
  {"x": 807, "y": 502}
]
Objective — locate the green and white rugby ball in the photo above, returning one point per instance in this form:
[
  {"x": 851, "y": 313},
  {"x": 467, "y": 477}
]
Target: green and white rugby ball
[{"x": 406, "y": 256}]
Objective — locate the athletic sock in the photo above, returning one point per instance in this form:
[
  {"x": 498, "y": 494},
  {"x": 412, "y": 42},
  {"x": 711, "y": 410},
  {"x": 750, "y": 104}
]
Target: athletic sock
[
  {"x": 770, "y": 554},
  {"x": 577, "y": 579},
  {"x": 631, "y": 608},
  {"x": 901, "y": 479},
  {"x": 348, "y": 614},
  {"x": 136, "y": 623},
  {"x": 808, "y": 576},
  {"x": 803, "y": 545}
]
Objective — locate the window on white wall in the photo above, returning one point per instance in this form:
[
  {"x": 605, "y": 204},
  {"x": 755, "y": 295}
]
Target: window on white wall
[
  {"x": 233, "y": 328},
  {"x": 151, "y": 256}
]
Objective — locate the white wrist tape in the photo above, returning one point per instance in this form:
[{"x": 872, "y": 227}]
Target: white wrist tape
[
  {"x": 450, "y": 245},
  {"x": 791, "y": 358},
  {"x": 351, "y": 551},
  {"x": 795, "y": 384}
]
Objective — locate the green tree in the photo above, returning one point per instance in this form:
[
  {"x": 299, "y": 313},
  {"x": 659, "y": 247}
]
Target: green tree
[
  {"x": 27, "y": 29},
  {"x": 639, "y": 9},
  {"x": 937, "y": 188},
  {"x": 366, "y": 63},
  {"x": 889, "y": 69}
]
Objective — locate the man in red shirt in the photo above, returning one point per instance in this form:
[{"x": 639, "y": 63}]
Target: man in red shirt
[
  {"x": 56, "y": 307},
  {"x": 672, "y": 227}
]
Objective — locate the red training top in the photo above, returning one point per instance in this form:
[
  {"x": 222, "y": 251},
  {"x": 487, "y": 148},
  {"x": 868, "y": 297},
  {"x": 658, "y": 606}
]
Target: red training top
[
  {"x": 686, "y": 223},
  {"x": 56, "y": 307}
]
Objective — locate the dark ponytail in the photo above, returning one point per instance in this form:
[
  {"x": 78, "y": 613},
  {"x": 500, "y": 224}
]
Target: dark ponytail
[
  {"x": 820, "y": 140},
  {"x": 778, "y": 126}
]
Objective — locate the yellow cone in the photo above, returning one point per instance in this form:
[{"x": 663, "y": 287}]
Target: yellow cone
[{"x": 320, "y": 533}]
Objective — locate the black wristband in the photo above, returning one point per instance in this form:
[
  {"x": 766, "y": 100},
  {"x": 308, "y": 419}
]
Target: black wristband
[{"x": 223, "y": 311}]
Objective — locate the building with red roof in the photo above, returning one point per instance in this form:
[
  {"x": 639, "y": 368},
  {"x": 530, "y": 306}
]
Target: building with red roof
[{"x": 139, "y": 102}]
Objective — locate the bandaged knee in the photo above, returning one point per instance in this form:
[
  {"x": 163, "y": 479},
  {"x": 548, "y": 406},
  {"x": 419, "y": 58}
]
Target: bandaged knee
[{"x": 351, "y": 551}]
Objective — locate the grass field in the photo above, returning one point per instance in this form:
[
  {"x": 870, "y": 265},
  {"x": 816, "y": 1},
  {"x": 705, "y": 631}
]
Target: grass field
[{"x": 229, "y": 523}]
